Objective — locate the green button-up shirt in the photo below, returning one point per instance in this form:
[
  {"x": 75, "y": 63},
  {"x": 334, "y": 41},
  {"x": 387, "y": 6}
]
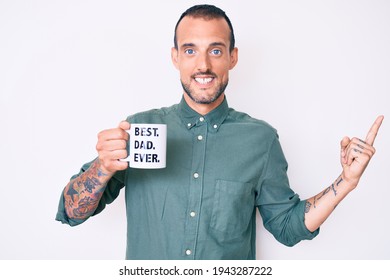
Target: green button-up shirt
[{"x": 220, "y": 168}]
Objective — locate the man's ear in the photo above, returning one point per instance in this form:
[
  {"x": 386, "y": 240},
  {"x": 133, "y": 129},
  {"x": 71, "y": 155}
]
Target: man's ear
[
  {"x": 233, "y": 58},
  {"x": 174, "y": 57}
]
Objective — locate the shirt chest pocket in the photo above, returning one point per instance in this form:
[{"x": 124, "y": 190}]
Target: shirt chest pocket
[{"x": 233, "y": 207}]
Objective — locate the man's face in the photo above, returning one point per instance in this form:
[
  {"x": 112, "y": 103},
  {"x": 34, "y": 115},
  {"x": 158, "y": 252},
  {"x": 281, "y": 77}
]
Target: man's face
[{"x": 203, "y": 58}]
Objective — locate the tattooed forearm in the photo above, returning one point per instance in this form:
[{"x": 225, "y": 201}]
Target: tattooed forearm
[
  {"x": 338, "y": 182},
  {"x": 334, "y": 190},
  {"x": 85, "y": 207},
  {"x": 320, "y": 206},
  {"x": 101, "y": 173},
  {"x": 82, "y": 194},
  {"x": 323, "y": 193},
  {"x": 71, "y": 192},
  {"x": 90, "y": 184},
  {"x": 307, "y": 206}
]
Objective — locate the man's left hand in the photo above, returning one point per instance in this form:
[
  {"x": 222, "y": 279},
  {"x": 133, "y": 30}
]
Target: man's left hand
[{"x": 356, "y": 153}]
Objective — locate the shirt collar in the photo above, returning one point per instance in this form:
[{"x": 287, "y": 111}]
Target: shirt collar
[{"x": 213, "y": 119}]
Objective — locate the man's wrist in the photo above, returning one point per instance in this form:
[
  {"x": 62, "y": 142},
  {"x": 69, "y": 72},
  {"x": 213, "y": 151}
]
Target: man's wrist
[
  {"x": 101, "y": 171},
  {"x": 349, "y": 183}
]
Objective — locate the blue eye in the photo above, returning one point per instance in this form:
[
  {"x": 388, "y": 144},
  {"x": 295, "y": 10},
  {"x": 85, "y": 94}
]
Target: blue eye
[
  {"x": 216, "y": 52},
  {"x": 189, "y": 51}
]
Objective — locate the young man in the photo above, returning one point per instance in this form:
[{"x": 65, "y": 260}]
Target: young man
[{"x": 221, "y": 165}]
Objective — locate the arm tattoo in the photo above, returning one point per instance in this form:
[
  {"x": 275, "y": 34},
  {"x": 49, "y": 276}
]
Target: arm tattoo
[
  {"x": 71, "y": 192},
  {"x": 90, "y": 184},
  {"x": 86, "y": 207},
  {"x": 307, "y": 206},
  {"x": 324, "y": 193},
  {"x": 334, "y": 190},
  {"x": 82, "y": 195},
  {"x": 101, "y": 173},
  {"x": 318, "y": 197}
]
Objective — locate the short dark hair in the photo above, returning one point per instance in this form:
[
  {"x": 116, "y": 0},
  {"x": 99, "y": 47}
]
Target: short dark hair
[{"x": 207, "y": 12}]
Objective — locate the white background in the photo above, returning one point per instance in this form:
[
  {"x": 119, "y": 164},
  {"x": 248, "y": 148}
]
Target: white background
[{"x": 315, "y": 70}]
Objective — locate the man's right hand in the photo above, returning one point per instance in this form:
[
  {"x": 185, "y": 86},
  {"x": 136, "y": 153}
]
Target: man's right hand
[{"x": 111, "y": 147}]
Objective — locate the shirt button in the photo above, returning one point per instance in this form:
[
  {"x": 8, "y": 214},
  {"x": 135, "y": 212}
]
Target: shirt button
[
  {"x": 196, "y": 175},
  {"x": 188, "y": 252},
  {"x": 192, "y": 214},
  {"x": 201, "y": 119},
  {"x": 215, "y": 126},
  {"x": 200, "y": 137}
]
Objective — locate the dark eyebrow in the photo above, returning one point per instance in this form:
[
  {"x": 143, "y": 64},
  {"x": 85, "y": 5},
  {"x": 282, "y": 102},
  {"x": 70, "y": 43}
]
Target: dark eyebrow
[
  {"x": 214, "y": 44},
  {"x": 185, "y": 45}
]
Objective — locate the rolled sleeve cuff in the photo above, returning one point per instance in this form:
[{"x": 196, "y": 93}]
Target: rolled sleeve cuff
[
  {"x": 63, "y": 217},
  {"x": 302, "y": 230}
]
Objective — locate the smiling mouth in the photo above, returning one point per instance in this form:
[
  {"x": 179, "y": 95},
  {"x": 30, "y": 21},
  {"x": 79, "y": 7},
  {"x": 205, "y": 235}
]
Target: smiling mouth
[{"x": 204, "y": 81}]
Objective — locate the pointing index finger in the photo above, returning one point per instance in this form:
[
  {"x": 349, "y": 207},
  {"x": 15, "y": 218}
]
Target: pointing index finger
[{"x": 370, "y": 138}]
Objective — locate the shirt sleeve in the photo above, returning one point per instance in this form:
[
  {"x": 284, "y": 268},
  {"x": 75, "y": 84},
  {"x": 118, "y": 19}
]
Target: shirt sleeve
[
  {"x": 281, "y": 209},
  {"x": 110, "y": 194}
]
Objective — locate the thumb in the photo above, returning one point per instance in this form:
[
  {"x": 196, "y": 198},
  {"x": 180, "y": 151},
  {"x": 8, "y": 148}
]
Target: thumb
[
  {"x": 343, "y": 144},
  {"x": 125, "y": 125}
]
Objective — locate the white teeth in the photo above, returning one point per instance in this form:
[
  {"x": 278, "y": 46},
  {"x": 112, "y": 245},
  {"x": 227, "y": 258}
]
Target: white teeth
[{"x": 203, "y": 81}]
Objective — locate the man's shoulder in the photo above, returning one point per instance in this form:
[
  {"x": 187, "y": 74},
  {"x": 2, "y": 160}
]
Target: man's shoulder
[
  {"x": 254, "y": 123},
  {"x": 152, "y": 115}
]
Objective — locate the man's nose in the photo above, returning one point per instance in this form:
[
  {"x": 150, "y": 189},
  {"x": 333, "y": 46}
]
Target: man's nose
[{"x": 203, "y": 62}]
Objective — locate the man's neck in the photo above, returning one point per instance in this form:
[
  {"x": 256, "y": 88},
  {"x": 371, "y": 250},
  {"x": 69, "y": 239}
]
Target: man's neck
[{"x": 203, "y": 109}]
